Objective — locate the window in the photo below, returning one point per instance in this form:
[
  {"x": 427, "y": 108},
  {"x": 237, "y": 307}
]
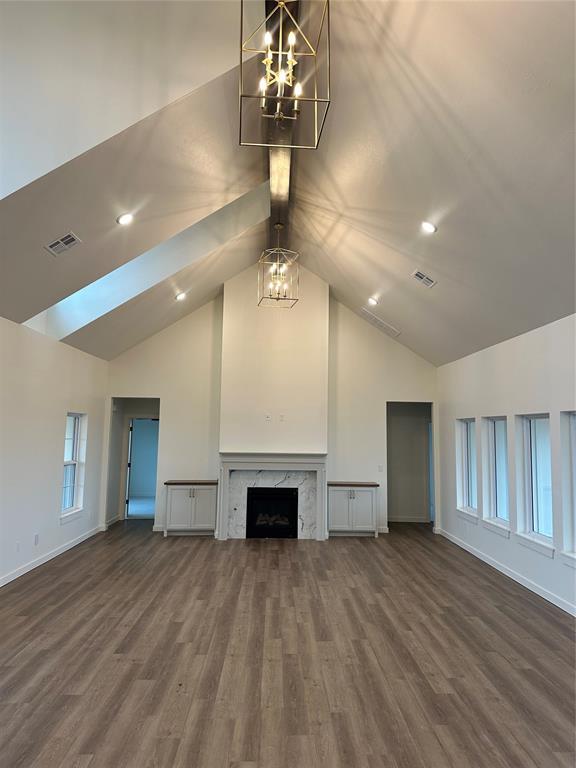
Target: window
[
  {"x": 74, "y": 452},
  {"x": 467, "y": 484},
  {"x": 497, "y": 469},
  {"x": 568, "y": 438},
  {"x": 538, "y": 475}
]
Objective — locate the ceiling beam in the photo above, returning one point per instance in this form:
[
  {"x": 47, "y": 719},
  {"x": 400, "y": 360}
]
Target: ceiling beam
[{"x": 279, "y": 158}]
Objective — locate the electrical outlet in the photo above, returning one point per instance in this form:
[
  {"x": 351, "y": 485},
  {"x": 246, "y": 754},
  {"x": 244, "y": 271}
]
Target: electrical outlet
[
  {"x": 36, "y": 539},
  {"x": 268, "y": 417},
  {"x": 282, "y": 417}
]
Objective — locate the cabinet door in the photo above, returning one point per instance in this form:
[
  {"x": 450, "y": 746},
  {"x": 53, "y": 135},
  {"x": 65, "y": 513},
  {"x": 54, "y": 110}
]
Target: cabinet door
[
  {"x": 362, "y": 509},
  {"x": 205, "y": 508},
  {"x": 179, "y": 508},
  {"x": 339, "y": 509}
]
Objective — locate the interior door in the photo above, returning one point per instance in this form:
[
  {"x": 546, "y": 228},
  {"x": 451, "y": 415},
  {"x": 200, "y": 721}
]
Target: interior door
[{"x": 339, "y": 509}]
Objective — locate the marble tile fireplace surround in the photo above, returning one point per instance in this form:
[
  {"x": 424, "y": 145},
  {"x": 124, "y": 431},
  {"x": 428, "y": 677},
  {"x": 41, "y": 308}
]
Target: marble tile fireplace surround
[{"x": 306, "y": 472}]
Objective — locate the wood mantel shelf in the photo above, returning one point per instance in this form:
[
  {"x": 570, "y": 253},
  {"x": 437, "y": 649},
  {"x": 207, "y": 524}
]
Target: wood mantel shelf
[
  {"x": 191, "y": 482},
  {"x": 339, "y": 483}
]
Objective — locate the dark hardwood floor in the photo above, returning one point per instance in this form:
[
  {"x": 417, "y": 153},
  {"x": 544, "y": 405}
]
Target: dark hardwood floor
[{"x": 397, "y": 652}]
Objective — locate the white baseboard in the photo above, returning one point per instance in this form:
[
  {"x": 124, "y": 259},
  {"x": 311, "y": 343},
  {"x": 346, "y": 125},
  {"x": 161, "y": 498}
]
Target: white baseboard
[
  {"x": 8, "y": 577},
  {"x": 409, "y": 520},
  {"x": 528, "y": 583},
  {"x": 110, "y": 522},
  {"x": 383, "y": 529},
  {"x": 157, "y": 528}
]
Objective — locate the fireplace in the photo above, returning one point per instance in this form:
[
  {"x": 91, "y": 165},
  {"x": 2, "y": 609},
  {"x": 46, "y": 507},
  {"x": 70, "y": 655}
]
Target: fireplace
[
  {"x": 241, "y": 471},
  {"x": 272, "y": 513}
]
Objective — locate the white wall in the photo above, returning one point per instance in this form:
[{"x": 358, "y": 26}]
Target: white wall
[
  {"x": 533, "y": 373},
  {"x": 274, "y": 396},
  {"x": 40, "y": 381},
  {"x": 366, "y": 370},
  {"x": 181, "y": 366}
]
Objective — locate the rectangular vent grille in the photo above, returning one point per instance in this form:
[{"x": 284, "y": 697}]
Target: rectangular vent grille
[
  {"x": 382, "y": 324},
  {"x": 63, "y": 243},
  {"x": 425, "y": 280}
]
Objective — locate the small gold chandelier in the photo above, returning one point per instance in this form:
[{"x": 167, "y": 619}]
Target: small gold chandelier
[
  {"x": 278, "y": 276},
  {"x": 284, "y": 77}
]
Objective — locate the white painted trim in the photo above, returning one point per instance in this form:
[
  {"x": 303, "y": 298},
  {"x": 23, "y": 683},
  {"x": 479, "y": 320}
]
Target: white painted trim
[
  {"x": 105, "y": 452},
  {"x": 437, "y": 463},
  {"x": 48, "y": 556},
  {"x": 73, "y": 514},
  {"x": 157, "y": 528},
  {"x": 533, "y": 541},
  {"x": 496, "y": 526},
  {"x": 568, "y": 558},
  {"x": 531, "y": 585},
  {"x": 383, "y": 529},
  {"x": 468, "y": 514},
  {"x": 110, "y": 522},
  {"x": 411, "y": 519}
]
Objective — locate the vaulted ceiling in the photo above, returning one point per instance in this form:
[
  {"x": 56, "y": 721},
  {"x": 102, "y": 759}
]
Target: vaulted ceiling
[{"x": 459, "y": 113}]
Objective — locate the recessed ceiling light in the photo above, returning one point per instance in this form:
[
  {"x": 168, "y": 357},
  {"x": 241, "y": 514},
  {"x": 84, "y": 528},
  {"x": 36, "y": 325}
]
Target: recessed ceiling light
[
  {"x": 125, "y": 219},
  {"x": 372, "y": 301},
  {"x": 428, "y": 227},
  {"x": 180, "y": 296}
]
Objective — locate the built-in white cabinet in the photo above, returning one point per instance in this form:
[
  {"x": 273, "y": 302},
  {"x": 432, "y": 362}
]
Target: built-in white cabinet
[
  {"x": 190, "y": 507},
  {"x": 352, "y": 508}
]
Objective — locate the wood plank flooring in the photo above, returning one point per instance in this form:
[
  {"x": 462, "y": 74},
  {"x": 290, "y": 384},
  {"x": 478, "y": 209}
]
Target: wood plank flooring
[{"x": 398, "y": 652}]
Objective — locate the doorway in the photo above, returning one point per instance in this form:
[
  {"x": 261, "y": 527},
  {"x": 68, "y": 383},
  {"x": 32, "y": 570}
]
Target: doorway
[
  {"x": 410, "y": 462},
  {"x": 142, "y": 462},
  {"x": 132, "y": 459}
]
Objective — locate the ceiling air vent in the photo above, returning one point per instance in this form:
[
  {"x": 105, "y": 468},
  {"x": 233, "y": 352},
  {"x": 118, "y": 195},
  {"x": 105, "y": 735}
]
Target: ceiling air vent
[
  {"x": 425, "y": 280},
  {"x": 64, "y": 243},
  {"x": 382, "y": 324}
]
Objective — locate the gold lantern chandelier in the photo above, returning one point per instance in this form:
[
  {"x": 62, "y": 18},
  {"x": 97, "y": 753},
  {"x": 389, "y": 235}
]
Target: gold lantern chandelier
[
  {"x": 278, "y": 279},
  {"x": 284, "y": 73}
]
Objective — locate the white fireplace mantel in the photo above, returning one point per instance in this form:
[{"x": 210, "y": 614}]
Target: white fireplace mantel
[{"x": 229, "y": 462}]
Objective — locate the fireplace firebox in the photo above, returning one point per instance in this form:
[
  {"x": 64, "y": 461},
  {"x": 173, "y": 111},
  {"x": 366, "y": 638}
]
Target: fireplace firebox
[{"x": 272, "y": 513}]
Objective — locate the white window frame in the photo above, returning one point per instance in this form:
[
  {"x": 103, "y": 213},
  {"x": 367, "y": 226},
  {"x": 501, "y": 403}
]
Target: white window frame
[
  {"x": 568, "y": 449},
  {"x": 463, "y": 467},
  {"x": 526, "y": 533},
  {"x": 67, "y": 514},
  {"x": 489, "y": 464}
]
